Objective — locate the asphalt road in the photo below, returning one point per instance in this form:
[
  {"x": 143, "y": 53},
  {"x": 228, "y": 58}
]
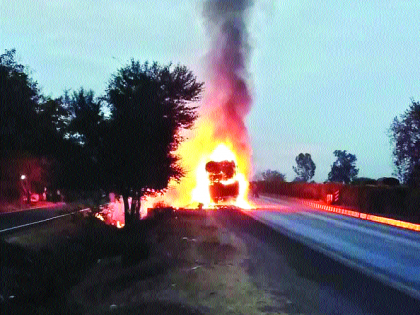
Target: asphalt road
[
  {"x": 389, "y": 254},
  {"x": 12, "y": 219},
  {"x": 316, "y": 282}
]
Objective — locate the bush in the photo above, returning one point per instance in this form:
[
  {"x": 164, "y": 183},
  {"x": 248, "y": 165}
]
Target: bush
[{"x": 388, "y": 181}]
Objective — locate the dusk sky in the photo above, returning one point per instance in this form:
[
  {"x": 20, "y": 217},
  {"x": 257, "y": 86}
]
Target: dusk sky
[{"x": 323, "y": 77}]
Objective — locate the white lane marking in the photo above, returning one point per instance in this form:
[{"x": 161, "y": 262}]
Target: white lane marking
[{"x": 37, "y": 222}]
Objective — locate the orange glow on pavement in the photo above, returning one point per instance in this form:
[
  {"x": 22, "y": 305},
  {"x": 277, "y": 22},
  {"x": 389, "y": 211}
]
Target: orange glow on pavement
[{"x": 365, "y": 216}]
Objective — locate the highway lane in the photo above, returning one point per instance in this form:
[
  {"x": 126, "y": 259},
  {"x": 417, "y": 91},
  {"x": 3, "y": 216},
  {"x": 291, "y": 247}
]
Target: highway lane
[
  {"x": 12, "y": 219},
  {"x": 390, "y": 254}
]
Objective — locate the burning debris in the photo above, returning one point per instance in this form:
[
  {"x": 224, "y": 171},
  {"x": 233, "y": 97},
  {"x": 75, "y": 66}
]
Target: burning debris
[
  {"x": 219, "y": 182},
  {"x": 223, "y": 187},
  {"x": 112, "y": 213}
]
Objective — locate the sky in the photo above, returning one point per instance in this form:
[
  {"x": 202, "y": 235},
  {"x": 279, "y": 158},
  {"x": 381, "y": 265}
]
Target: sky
[{"x": 324, "y": 75}]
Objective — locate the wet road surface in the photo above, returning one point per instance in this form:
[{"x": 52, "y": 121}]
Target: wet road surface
[{"x": 388, "y": 253}]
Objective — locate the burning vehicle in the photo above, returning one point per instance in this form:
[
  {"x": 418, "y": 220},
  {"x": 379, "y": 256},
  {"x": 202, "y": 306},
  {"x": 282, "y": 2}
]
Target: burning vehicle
[{"x": 223, "y": 186}]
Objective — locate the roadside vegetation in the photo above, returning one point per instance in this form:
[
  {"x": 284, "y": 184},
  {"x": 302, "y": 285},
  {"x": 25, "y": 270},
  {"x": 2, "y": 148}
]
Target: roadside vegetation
[{"x": 122, "y": 141}]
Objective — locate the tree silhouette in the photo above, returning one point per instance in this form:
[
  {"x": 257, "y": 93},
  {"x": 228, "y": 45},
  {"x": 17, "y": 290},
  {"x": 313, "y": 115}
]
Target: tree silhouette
[
  {"x": 79, "y": 121},
  {"x": 53, "y": 115},
  {"x": 149, "y": 105},
  {"x": 344, "y": 168},
  {"x": 25, "y": 137},
  {"x": 19, "y": 97},
  {"x": 305, "y": 168},
  {"x": 273, "y": 176},
  {"x": 405, "y": 136},
  {"x": 84, "y": 117}
]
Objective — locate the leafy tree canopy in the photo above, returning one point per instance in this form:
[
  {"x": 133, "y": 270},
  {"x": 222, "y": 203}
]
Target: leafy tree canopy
[
  {"x": 305, "y": 168},
  {"x": 344, "y": 168},
  {"x": 86, "y": 129},
  {"x": 150, "y": 104},
  {"x": 405, "y": 137},
  {"x": 19, "y": 96},
  {"x": 84, "y": 117},
  {"x": 52, "y": 114}
]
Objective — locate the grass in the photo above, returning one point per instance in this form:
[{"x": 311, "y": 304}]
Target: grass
[
  {"x": 194, "y": 262},
  {"x": 40, "y": 264},
  {"x": 47, "y": 236}
]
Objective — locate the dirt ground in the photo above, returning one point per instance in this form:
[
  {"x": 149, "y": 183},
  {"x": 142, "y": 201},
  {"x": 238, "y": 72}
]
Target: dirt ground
[
  {"x": 201, "y": 262},
  {"x": 195, "y": 266},
  {"x": 181, "y": 263}
]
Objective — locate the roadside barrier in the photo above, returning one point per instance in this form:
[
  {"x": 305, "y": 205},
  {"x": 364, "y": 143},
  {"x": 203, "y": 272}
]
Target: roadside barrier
[{"x": 363, "y": 216}]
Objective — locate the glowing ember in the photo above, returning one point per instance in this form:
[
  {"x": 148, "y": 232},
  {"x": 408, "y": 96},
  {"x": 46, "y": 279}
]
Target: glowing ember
[
  {"x": 112, "y": 214},
  {"x": 99, "y": 216}
]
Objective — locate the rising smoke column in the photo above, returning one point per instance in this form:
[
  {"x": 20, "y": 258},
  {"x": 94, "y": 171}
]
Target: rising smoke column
[
  {"x": 224, "y": 107},
  {"x": 228, "y": 100}
]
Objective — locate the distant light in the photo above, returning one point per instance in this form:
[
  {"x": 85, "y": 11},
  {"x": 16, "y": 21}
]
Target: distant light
[{"x": 23, "y": 177}]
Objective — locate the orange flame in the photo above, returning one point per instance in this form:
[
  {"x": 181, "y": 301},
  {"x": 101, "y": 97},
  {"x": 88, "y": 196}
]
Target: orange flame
[
  {"x": 112, "y": 214},
  {"x": 220, "y": 132},
  {"x": 204, "y": 146},
  {"x": 99, "y": 216},
  {"x": 201, "y": 192}
]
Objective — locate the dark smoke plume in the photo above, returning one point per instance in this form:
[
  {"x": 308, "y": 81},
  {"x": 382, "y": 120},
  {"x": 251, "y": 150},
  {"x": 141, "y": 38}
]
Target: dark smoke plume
[{"x": 229, "y": 98}]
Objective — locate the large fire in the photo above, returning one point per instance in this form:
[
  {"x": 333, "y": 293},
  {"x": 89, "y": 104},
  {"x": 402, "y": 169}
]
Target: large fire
[
  {"x": 194, "y": 188},
  {"x": 220, "y": 133},
  {"x": 201, "y": 192}
]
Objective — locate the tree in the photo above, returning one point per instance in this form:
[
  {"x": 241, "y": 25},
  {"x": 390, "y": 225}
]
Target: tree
[
  {"x": 26, "y": 141},
  {"x": 344, "y": 168},
  {"x": 53, "y": 115},
  {"x": 150, "y": 104},
  {"x": 305, "y": 168},
  {"x": 405, "y": 137},
  {"x": 84, "y": 117},
  {"x": 273, "y": 176},
  {"x": 78, "y": 121},
  {"x": 19, "y": 97}
]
